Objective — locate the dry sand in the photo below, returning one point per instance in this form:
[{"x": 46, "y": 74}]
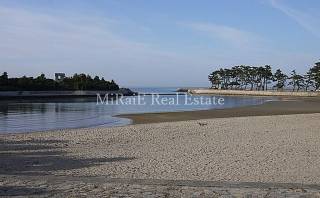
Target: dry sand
[
  {"x": 282, "y": 148},
  {"x": 269, "y": 150}
]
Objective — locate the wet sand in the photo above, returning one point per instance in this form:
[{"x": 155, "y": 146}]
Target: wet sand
[{"x": 284, "y": 106}]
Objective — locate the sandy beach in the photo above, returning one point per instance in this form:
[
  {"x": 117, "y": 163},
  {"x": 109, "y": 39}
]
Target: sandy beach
[{"x": 262, "y": 154}]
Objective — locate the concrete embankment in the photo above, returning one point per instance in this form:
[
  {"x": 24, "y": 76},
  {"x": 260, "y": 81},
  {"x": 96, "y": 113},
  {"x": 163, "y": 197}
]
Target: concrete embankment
[
  {"x": 44, "y": 94},
  {"x": 253, "y": 93}
]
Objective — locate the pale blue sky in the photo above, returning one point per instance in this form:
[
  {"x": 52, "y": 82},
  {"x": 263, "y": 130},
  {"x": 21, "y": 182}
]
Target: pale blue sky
[{"x": 156, "y": 42}]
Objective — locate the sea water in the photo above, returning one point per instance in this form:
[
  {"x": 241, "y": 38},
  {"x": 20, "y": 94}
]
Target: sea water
[{"x": 42, "y": 114}]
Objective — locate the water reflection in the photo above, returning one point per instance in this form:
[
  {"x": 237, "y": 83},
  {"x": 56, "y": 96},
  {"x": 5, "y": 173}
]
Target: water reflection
[{"x": 25, "y": 116}]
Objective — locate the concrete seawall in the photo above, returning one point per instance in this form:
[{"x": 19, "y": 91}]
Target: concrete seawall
[
  {"x": 36, "y": 94},
  {"x": 253, "y": 93}
]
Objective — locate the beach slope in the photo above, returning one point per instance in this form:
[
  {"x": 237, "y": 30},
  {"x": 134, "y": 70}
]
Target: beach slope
[
  {"x": 282, "y": 106},
  {"x": 279, "y": 152}
]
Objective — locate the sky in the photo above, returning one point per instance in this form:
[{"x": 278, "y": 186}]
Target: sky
[{"x": 147, "y": 43}]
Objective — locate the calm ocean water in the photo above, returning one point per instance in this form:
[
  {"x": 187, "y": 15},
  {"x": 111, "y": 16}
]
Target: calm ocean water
[{"x": 27, "y": 116}]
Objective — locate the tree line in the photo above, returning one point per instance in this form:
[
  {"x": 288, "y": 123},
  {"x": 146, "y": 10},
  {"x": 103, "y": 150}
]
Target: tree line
[
  {"x": 262, "y": 78},
  {"x": 42, "y": 83}
]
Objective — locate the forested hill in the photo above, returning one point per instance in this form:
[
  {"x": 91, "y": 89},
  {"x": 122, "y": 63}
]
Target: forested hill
[{"x": 41, "y": 83}]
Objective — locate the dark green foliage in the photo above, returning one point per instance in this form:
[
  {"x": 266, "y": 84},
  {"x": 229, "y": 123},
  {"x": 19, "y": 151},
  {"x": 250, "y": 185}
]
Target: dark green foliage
[
  {"x": 241, "y": 77},
  {"x": 280, "y": 79},
  {"x": 41, "y": 83},
  {"x": 309, "y": 82},
  {"x": 315, "y": 73},
  {"x": 297, "y": 81},
  {"x": 258, "y": 78}
]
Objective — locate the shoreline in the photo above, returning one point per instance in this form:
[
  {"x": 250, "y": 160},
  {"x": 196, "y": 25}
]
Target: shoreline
[
  {"x": 283, "y": 106},
  {"x": 269, "y": 154},
  {"x": 261, "y": 152},
  {"x": 6, "y": 95},
  {"x": 255, "y": 93}
]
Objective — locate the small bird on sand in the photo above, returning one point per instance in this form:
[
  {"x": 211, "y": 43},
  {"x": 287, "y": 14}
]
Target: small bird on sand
[{"x": 202, "y": 124}]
